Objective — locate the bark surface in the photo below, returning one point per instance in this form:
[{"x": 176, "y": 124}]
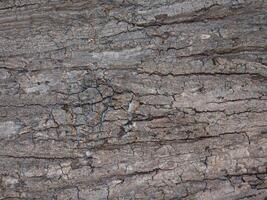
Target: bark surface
[{"x": 133, "y": 99}]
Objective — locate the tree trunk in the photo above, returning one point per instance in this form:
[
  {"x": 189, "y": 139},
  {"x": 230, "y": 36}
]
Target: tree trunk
[{"x": 133, "y": 99}]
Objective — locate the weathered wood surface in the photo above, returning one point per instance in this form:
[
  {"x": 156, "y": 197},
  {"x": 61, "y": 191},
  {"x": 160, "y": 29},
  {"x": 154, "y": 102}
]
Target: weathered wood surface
[{"x": 133, "y": 99}]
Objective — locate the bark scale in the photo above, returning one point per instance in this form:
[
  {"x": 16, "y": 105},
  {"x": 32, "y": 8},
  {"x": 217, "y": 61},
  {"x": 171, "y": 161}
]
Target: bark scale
[{"x": 132, "y": 99}]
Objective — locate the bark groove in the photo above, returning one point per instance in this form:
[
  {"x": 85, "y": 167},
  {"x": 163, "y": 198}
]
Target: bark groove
[{"x": 133, "y": 99}]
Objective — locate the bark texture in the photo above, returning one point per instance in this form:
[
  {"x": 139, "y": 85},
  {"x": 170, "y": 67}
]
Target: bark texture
[{"x": 133, "y": 99}]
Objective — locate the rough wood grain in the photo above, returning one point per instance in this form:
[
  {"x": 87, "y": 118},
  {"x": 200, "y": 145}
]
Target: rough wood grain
[{"x": 133, "y": 99}]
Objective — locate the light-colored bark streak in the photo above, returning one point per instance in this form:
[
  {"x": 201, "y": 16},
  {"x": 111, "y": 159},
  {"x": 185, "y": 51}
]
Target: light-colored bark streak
[{"x": 132, "y": 99}]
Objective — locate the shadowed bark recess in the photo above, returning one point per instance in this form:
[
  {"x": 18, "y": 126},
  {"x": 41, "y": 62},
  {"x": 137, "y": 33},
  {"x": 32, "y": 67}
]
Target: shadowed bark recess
[{"x": 133, "y": 99}]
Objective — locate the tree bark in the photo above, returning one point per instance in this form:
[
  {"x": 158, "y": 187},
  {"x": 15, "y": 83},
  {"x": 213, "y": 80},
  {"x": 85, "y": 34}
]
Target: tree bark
[{"x": 133, "y": 99}]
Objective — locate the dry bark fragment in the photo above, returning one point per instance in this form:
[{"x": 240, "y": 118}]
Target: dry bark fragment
[{"x": 133, "y": 99}]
